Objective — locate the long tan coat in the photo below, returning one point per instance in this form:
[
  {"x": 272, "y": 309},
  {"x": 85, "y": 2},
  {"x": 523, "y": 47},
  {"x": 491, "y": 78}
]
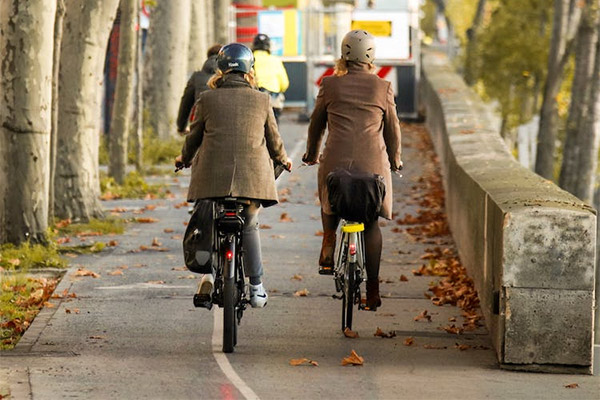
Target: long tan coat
[
  {"x": 364, "y": 131},
  {"x": 231, "y": 144}
]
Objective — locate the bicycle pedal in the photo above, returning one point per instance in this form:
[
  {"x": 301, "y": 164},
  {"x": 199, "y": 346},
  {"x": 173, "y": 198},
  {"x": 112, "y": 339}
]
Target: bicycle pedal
[
  {"x": 203, "y": 301},
  {"x": 337, "y": 297}
]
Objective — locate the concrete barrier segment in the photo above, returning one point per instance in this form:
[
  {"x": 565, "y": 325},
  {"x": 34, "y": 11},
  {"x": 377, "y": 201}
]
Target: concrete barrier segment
[{"x": 529, "y": 245}]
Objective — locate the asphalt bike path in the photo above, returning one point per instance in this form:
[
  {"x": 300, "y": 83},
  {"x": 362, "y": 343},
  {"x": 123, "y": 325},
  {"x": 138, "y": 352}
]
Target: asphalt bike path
[{"x": 135, "y": 334}]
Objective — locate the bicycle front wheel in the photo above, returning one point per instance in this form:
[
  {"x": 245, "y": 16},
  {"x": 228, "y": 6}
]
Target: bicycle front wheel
[{"x": 349, "y": 295}]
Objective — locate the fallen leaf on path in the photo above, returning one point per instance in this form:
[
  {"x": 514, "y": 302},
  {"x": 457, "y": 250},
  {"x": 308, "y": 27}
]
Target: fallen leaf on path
[
  {"x": 403, "y": 278},
  {"x": 423, "y": 315},
  {"x": 86, "y": 272},
  {"x": 187, "y": 277},
  {"x": 409, "y": 341},
  {"x": 302, "y": 293},
  {"x": 278, "y": 236},
  {"x": 349, "y": 333},
  {"x": 453, "y": 329},
  {"x": 89, "y": 233},
  {"x": 72, "y": 311},
  {"x": 97, "y": 337},
  {"x": 462, "y": 347},
  {"x": 432, "y": 347},
  {"x": 150, "y": 207},
  {"x": 179, "y": 205},
  {"x": 300, "y": 361},
  {"x": 139, "y": 265},
  {"x": 572, "y": 386},
  {"x": 176, "y": 237},
  {"x": 168, "y": 230},
  {"x": 284, "y": 217},
  {"x": 122, "y": 267},
  {"x": 112, "y": 243},
  {"x": 63, "y": 223},
  {"x": 179, "y": 269},
  {"x": 284, "y": 192},
  {"x": 116, "y": 272},
  {"x": 63, "y": 240},
  {"x": 47, "y": 304},
  {"x": 146, "y": 220},
  {"x": 353, "y": 359},
  {"x": 319, "y": 233},
  {"x": 156, "y": 282},
  {"x": 118, "y": 210},
  {"x": 264, "y": 226},
  {"x": 156, "y": 242},
  {"x": 297, "y": 277},
  {"x": 382, "y": 334}
]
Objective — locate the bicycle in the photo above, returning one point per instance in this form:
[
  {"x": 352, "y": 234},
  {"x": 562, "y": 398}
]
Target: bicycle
[
  {"x": 349, "y": 269},
  {"x": 230, "y": 291}
]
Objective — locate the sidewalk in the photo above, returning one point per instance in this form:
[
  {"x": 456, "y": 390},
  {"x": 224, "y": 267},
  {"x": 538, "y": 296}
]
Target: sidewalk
[{"x": 135, "y": 334}]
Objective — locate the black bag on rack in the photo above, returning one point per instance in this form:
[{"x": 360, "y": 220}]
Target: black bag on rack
[
  {"x": 355, "y": 196},
  {"x": 199, "y": 238}
]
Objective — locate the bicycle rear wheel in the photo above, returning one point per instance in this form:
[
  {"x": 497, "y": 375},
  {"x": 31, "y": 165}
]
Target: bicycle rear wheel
[
  {"x": 348, "y": 297},
  {"x": 229, "y": 311}
]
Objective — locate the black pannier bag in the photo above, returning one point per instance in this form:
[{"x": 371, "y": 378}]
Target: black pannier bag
[
  {"x": 199, "y": 238},
  {"x": 355, "y": 196}
]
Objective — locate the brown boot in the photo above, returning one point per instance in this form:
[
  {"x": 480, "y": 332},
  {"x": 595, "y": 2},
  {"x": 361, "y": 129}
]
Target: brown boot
[
  {"x": 327, "y": 250},
  {"x": 373, "y": 299}
]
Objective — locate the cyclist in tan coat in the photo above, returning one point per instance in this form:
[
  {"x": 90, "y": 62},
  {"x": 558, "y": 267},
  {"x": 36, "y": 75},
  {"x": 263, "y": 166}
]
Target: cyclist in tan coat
[
  {"x": 359, "y": 110},
  {"x": 232, "y": 145}
]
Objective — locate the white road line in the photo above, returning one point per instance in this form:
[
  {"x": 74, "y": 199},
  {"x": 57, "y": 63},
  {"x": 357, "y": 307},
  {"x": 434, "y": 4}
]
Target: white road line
[{"x": 223, "y": 362}]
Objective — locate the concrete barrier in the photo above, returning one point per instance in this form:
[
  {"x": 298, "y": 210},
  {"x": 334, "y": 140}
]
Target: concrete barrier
[{"x": 528, "y": 245}]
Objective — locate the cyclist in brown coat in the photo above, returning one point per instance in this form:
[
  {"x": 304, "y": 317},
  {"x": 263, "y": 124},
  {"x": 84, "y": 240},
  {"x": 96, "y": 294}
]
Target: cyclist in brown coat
[
  {"x": 359, "y": 110},
  {"x": 232, "y": 145}
]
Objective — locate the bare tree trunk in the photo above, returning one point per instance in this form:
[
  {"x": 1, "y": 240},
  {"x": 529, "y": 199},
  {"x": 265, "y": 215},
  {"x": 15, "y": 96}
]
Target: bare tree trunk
[
  {"x": 210, "y": 22},
  {"x": 470, "y": 70},
  {"x": 119, "y": 126},
  {"x": 566, "y": 20},
  {"x": 58, "y": 32},
  {"x": 168, "y": 42},
  {"x": 221, "y": 20},
  {"x": 587, "y": 37},
  {"x": 26, "y": 48},
  {"x": 138, "y": 130},
  {"x": 87, "y": 26},
  {"x": 198, "y": 37},
  {"x": 590, "y": 134}
]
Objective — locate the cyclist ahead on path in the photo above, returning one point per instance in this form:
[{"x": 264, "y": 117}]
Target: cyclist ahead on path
[
  {"x": 364, "y": 135},
  {"x": 197, "y": 84},
  {"x": 271, "y": 75},
  {"x": 232, "y": 141}
]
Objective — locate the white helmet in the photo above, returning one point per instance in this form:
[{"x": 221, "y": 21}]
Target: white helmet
[{"x": 358, "y": 45}]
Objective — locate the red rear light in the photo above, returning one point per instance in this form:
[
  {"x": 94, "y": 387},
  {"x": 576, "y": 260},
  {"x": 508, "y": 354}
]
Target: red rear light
[
  {"x": 230, "y": 214},
  {"x": 352, "y": 249},
  {"x": 229, "y": 255}
]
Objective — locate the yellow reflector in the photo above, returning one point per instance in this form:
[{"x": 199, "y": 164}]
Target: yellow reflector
[{"x": 353, "y": 228}]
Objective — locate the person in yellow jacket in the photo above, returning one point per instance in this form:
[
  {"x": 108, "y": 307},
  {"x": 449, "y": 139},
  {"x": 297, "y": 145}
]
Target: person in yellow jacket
[{"x": 270, "y": 73}]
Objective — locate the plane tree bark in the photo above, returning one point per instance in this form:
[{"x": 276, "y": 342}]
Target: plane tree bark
[
  {"x": 167, "y": 63},
  {"x": 576, "y": 151},
  {"x": 87, "y": 26},
  {"x": 26, "y": 47},
  {"x": 122, "y": 110},
  {"x": 566, "y": 19}
]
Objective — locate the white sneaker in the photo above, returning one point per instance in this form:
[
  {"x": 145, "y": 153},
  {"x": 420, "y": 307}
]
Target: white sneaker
[
  {"x": 205, "y": 287},
  {"x": 258, "y": 296}
]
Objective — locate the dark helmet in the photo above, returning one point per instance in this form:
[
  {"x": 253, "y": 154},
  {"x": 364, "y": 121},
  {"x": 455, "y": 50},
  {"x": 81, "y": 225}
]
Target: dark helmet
[
  {"x": 261, "y": 42},
  {"x": 235, "y": 57}
]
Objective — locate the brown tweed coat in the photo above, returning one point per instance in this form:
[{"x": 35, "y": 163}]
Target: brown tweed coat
[
  {"x": 364, "y": 131},
  {"x": 232, "y": 143}
]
